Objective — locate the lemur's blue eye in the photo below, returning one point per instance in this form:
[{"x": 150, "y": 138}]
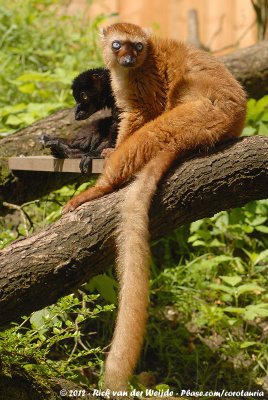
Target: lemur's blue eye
[
  {"x": 116, "y": 45},
  {"x": 139, "y": 46}
]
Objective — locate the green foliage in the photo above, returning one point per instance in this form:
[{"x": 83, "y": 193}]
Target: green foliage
[
  {"x": 54, "y": 341},
  {"x": 212, "y": 301},
  {"x": 35, "y": 215},
  {"x": 257, "y": 117},
  {"x": 209, "y": 302},
  {"x": 41, "y": 50},
  {"x": 105, "y": 285}
]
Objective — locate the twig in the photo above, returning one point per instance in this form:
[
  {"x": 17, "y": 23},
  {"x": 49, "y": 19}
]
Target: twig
[{"x": 25, "y": 217}]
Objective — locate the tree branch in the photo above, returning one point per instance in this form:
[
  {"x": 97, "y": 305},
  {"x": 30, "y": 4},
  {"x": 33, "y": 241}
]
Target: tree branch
[
  {"x": 38, "y": 270},
  {"x": 243, "y": 62}
]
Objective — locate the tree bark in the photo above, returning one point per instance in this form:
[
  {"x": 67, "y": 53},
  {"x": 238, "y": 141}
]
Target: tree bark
[
  {"x": 242, "y": 63},
  {"x": 249, "y": 66},
  {"x": 38, "y": 270}
]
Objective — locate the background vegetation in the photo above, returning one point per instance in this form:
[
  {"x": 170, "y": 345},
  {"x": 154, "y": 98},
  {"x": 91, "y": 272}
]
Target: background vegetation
[{"x": 209, "y": 298}]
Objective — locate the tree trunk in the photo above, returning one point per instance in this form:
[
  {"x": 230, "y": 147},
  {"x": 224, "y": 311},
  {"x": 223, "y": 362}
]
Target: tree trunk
[
  {"x": 250, "y": 67},
  {"x": 38, "y": 270}
]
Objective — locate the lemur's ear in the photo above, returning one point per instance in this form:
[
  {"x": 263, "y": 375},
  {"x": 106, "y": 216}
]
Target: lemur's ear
[
  {"x": 147, "y": 31},
  {"x": 102, "y": 32},
  {"x": 97, "y": 77}
]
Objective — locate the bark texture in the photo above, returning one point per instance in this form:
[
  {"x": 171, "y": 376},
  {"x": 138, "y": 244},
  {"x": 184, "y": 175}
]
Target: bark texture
[
  {"x": 249, "y": 66},
  {"x": 38, "y": 270}
]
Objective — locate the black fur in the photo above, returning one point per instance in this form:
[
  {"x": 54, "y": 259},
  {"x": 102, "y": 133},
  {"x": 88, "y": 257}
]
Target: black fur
[
  {"x": 92, "y": 92},
  {"x": 95, "y": 84}
]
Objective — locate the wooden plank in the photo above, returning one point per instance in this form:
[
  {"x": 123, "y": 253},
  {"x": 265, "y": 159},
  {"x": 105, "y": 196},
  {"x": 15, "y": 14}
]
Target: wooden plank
[{"x": 52, "y": 164}]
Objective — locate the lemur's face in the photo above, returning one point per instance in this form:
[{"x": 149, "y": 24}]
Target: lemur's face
[
  {"x": 124, "y": 45},
  {"x": 127, "y": 53},
  {"x": 84, "y": 104},
  {"x": 86, "y": 94}
]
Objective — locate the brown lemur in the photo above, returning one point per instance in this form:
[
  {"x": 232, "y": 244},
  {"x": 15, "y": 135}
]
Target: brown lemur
[
  {"x": 92, "y": 92},
  {"x": 174, "y": 99}
]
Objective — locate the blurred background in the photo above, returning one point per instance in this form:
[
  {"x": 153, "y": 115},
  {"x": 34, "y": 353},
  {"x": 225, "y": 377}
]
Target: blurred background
[{"x": 221, "y": 25}]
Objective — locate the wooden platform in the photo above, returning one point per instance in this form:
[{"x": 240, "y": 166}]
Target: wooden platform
[{"x": 52, "y": 164}]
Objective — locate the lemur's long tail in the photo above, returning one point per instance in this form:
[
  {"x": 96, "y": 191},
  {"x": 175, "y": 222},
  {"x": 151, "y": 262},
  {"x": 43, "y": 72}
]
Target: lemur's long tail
[{"x": 133, "y": 271}]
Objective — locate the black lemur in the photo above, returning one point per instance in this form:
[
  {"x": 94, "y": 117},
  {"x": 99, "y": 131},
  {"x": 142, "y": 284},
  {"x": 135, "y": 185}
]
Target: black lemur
[{"x": 92, "y": 92}]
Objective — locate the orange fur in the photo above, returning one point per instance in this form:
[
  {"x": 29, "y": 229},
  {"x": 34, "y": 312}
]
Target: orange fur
[{"x": 175, "y": 99}]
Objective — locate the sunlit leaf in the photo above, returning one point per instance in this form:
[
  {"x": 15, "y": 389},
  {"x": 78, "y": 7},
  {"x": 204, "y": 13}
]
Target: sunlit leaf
[
  {"x": 249, "y": 131},
  {"x": 28, "y": 88},
  {"x": 223, "y": 288},
  {"x": 244, "y": 345},
  {"x": 231, "y": 280},
  {"x": 13, "y": 120},
  {"x": 263, "y": 129},
  {"x": 250, "y": 287}
]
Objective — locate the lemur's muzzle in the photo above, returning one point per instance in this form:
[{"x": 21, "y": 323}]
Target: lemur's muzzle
[{"x": 128, "y": 61}]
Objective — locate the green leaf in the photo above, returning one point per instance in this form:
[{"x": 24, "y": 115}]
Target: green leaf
[
  {"x": 253, "y": 311},
  {"x": 262, "y": 256},
  {"x": 29, "y": 88},
  {"x": 13, "y": 120},
  {"x": 227, "y": 298},
  {"x": 105, "y": 286},
  {"x": 57, "y": 331},
  {"x": 247, "y": 228},
  {"x": 38, "y": 318},
  {"x": 27, "y": 118},
  {"x": 234, "y": 310},
  {"x": 223, "y": 288},
  {"x": 249, "y": 131},
  {"x": 255, "y": 220},
  {"x": 83, "y": 187},
  {"x": 35, "y": 77},
  {"x": 262, "y": 228},
  {"x": 231, "y": 280},
  {"x": 263, "y": 129},
  {"x": 162, "y": 386},
  {"x": 251, "y": 115},
  {"x": 262, "y": 103},
  {"x": 192, "y": 238},
  {"x": 199, "y": 243},
  {"x": 216, "y": 243},
  {"x": 80, "y": 318},
  {"x": 250, "y": 287},
  {"x": 17, "y": 108},
  {"x": 264, "y": 116},
  {"x": 195, "y": 225},
  {"x": 244, "y": 345}
]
